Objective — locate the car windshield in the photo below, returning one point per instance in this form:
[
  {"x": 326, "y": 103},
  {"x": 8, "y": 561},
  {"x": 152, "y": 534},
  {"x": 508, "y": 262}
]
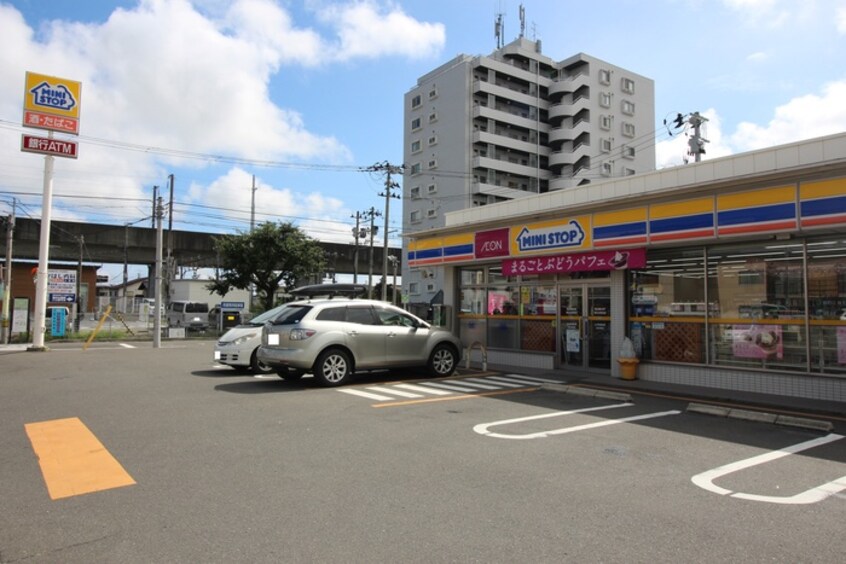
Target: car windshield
[
  {"x": 290, "y": 315},
  {"x": 267, "y": 315}
]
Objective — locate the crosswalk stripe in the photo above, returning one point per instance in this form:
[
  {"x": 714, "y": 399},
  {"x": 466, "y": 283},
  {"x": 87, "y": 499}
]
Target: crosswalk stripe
[
  {"x": 450, "y": 386},
  {"x": 393, "y": 391},
  {"x": 520, "y": 381},
  {"x": 480, "y": 383},
  {"x": 363, "y": 394},
  {"x": 424, "y": 390}
]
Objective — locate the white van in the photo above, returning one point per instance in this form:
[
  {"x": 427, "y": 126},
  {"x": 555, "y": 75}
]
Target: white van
[{"x": 190, "y": 315}]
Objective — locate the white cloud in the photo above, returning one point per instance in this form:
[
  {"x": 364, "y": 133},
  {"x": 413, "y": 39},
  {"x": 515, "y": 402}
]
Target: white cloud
[
  {"x": 757, "y": 57},
  {"x": 768, "y": 13},
  {"x": 840, "y": 20},
  {"x": 366, "y": 31},
  {"x": 190, "y": 76}
]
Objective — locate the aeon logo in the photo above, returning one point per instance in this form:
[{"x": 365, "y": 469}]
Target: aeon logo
[
  {"x": 492, "y": 246},
  {"x": 492, "y": 243}
]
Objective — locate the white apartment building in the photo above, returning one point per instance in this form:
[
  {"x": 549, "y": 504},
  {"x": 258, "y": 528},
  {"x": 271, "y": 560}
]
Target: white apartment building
[{"x": 485, "y": 129}]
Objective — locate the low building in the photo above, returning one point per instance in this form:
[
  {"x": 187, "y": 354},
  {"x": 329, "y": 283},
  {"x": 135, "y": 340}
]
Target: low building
[{"x": 728, "y": 273}]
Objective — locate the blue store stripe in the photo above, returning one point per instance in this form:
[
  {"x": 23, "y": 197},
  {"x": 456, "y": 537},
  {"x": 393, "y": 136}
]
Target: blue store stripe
[
  {"x": 622, "y": 230},
  {"x": 684, "y": 223},
  {"x": 824, "y": 206},
  {"x": 757, "y": 215}
]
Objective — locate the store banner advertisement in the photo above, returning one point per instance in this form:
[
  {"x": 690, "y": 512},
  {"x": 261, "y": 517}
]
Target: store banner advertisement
[{"x": 757, "y": 341}]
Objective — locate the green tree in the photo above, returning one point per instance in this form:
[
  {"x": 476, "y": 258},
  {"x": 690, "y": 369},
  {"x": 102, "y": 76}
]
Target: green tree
[{"x": 273, "y": 254}]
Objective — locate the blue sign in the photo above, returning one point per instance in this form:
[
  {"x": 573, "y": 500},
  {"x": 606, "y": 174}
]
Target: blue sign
[
  {"x": 58, "y": 321},
  {"x": 62, "y": 298},
  {"x": 231, "y": 305}
]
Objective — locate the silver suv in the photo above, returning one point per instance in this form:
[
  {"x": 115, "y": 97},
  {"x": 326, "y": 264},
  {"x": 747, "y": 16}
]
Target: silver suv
[{"x": 334, "y": 338}]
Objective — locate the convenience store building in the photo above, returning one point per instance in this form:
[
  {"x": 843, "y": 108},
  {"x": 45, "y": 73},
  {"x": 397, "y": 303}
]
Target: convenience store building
[{"x": 729, "y": 273}]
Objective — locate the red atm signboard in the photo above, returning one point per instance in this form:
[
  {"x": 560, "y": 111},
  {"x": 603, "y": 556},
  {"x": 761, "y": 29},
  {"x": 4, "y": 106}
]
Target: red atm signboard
[{"x": 47, "y": 146}]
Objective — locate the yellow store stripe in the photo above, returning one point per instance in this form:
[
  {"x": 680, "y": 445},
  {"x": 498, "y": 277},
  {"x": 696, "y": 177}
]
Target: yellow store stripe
[
  {"x": 679, "y": 209},
  {"x": 824, "y": 189},
  {"x": 72, "y": 460},
  {"x": 463, "y": 239},
  {"x": 619, "y": 217},
  {"x": 767, "y": 196}
]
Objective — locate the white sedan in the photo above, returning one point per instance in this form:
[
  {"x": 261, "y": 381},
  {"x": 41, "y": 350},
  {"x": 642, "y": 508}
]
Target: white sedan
[{"x": 237, "y": 347}]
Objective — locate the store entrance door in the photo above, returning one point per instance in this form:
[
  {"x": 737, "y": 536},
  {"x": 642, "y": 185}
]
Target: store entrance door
[{"x": 585, "y": 326}]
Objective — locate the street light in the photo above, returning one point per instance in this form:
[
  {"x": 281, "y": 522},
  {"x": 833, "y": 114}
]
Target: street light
[{"x": 394, "y": 260}]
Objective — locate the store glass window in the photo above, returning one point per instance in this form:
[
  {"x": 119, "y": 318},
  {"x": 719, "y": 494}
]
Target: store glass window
[
  {"x": 668, "y": 306},
  {"x": 757, "y": 293},
  {"x": 827, "y": 304},
  {"x": 538, "y": 305}
]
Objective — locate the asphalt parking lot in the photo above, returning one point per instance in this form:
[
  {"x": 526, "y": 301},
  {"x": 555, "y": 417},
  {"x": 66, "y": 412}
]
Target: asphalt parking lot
[{"x": 198, "y": 462}]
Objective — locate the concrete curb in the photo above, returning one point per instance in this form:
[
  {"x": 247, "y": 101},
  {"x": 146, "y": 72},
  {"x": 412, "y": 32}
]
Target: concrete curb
[
  {"x": 761, "y": 417},
  {"x": 587, "y": 392}
]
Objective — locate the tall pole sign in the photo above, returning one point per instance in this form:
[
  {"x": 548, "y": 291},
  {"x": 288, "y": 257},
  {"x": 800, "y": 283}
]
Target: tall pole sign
[{"x": 53, "y": 104}]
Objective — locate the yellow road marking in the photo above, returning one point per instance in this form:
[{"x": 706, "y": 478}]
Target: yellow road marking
[{"x": 73, "y": 462}]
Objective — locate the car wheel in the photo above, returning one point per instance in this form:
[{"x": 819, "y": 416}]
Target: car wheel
[
  {"x": 290, "y": 375},
  {"x": 443, "y": 361},
  {"x": 257, "y": 366},
  {"x": 333, "y": 368}
]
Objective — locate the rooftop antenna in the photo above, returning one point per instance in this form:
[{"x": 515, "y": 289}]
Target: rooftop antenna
[
  {"x": 522, "y": 21},
  {"x": 499, "y": 30}
]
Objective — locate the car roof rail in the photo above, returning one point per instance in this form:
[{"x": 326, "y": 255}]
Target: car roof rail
[{"x": 330, "y": 291}]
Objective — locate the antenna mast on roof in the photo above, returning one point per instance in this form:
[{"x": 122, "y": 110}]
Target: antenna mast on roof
[
  {"x": 522, "y": 21},
  {"x": 499, "y": 30}
]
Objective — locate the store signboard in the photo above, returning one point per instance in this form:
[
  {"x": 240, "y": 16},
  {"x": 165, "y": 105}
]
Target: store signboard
[
  {"x": 51, "y": 103},
  {"x": 579, "y": 262}
]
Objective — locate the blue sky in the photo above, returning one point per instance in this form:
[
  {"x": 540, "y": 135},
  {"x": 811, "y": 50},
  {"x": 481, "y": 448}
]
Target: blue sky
[{"x": 302, "y": 94}]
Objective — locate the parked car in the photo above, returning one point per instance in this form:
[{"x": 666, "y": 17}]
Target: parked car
[
  {"x": 335, "y": 338},
  {"x": 187, "y": 314},
  {"x": 238, "y": 346}
]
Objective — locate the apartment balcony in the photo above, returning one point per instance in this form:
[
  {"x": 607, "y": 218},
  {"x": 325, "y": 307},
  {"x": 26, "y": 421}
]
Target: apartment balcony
[
  {"x": 500, "y": 191},
  {"x": 517, "y": 169},
  {"x": 569, "y": 84},
  {"x": 509, "y": 142},
  {"x": 568, "y": 133},
  {"x": 480, "y": 111},
  {"x": 505, "y": 93},
  {"x": 510, "y": 69},
  {"x": 567, "y": 109}
]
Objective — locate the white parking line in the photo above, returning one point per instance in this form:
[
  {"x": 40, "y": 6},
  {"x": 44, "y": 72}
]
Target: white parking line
[
  {"x": 393, "y": 391},
  {"x": 484, "y": 428},
  {"x": 127, "y": 346},
  {"x": 705, "y": 480},
  {"x": 425, "y": 390},
  {"x": 363, "y": 394},
  {"x": 480, "y": 383},
  {"x": 450, "y": 386}
]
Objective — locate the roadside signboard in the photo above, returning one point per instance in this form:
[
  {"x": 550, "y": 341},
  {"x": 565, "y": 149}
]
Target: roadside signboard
[
  {"x": 62, "y": 298},
  {"x": 61, "y": 284},
  {"x": 51, "y": 103},
  {"x": 231, "y": 305},
  {"x": 47, "y": 146}
]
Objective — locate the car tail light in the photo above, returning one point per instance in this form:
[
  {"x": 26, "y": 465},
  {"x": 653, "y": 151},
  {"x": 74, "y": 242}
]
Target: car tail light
[{"x": 301, "y": 334}]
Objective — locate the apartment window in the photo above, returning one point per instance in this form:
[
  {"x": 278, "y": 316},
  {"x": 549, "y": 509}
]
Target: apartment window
[
  {"x": 627, "y": 85},
  {"x": 416, "y": 101},
  {"x": 628, "y": 108},
  {"x": 628, "y": 129},
  {"x": 432, "y": 189},
  {"x": 433, "y": 117},
  {"x": 433, "y": 93},
  {"x": 415, "y": 146},
  {"x": 605, "y": 122},
  {"x": 415, "y": 124},
  {"x": 433, "y": 140},
  {"x": 607, "y": 168},
  {"x": 415, "y": 193},
  {"x": 433, "y": 164},
  {"x": 415, "y": 168},
  {"x": 628, "y": 151},
  {"x": 605, "y": 145},
  {"x": 431, "y": 214},
  {"x": 430, "y": 287},
  {"x": 628, "y": 172},
  {"x": 413, "y": 287},
  {"x": 605, "y": 99},
  {"x": 604, "y": 76},
  {"x": 414, "y": 217}
]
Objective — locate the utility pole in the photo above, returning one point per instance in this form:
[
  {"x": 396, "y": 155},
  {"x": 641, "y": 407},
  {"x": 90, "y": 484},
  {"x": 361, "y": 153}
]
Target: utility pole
[
  {"x": 157, "y": 318},
  {"x": 170, "y": 265},
  {"x": 388, "y": 169},
  {"x": 371, "y": 214},
  {"x": 356, "y": 237},
  {"x": 6, "y": 329},
  {"x": 79, "y": 285},
  {"x": 697, "y": 143},
  {"x": 153, "y": 215},
  {"x": 252, "y": 227}
]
